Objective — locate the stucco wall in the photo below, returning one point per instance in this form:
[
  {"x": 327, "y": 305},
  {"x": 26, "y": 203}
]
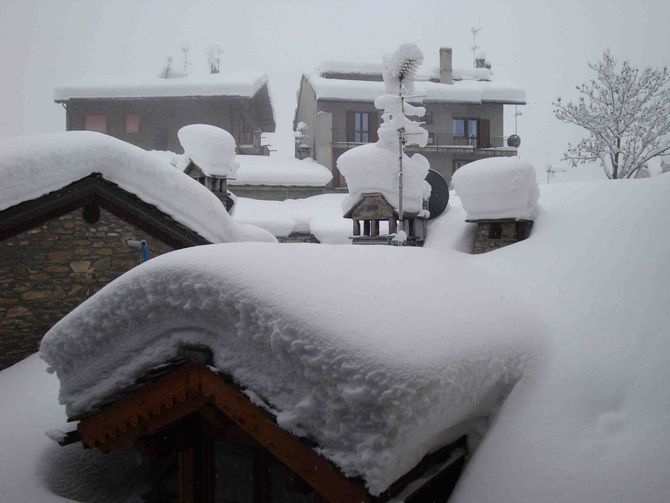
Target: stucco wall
[
  {"x": 167, "y": 113},
  {"x": 47, "y": 271}
]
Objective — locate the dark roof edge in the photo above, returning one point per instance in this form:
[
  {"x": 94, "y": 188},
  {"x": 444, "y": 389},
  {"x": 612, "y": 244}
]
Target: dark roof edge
[{"x": 94, "y": 189}]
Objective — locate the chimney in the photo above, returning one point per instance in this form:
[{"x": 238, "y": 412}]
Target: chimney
[{"x": 446, "y": 73}]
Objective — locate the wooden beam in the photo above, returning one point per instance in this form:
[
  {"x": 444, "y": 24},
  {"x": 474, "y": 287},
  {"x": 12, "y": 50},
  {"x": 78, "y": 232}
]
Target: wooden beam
[{"x": 171, "y": 397}]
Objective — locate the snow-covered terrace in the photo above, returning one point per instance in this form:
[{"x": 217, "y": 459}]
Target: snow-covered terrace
[
  {"x": 243, "y": 84},
  {"x": 474, "y": 86}
]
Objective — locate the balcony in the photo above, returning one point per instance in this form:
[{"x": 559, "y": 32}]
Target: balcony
[{"x": 437, "y": 141}]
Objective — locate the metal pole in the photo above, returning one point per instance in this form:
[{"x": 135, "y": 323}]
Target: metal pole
[{"x": 401, "y": 141}]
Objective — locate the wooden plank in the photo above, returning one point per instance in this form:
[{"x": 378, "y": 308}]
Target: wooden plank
[{"x": 306, "y": 463}]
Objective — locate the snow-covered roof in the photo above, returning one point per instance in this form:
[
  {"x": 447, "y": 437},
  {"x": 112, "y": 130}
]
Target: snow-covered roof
[
  {"x": 376, "y": 392},
  {"x": 591, "y": 406},
  {"x": 32, "y": 166},
  {"x": 470, "y": 86},
  {"x": 280, "y": 170},
  {"x": 243, "y": 84},
  {"x": 375, "y": 69},
  {"x": 319, "y": 215}
]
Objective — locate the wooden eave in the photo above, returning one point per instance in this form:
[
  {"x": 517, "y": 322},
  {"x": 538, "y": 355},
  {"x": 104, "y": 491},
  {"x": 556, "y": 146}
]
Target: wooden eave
[
  {"x": 361, "y": 201},
  {"x": 192, "y": 387},
  {"x": 94, "y": 189}
]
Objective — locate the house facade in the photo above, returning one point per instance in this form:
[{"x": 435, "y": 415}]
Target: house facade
[
  {"x": 61, "y": 248},
  {"x": 464, "y": 115},
  {"x": 148, "y": 111}
]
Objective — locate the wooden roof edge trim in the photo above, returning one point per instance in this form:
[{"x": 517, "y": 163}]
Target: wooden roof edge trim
[
  {"x": 95, "y": 189},
  {"x": 187, "y": 389}
]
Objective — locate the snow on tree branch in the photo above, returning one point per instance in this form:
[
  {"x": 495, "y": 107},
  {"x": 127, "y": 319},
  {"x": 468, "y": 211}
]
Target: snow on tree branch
[{"x": 626, "y": 113}]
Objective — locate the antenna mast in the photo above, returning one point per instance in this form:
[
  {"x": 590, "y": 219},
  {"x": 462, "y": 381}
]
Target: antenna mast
[{"x": 475, "y": 31}]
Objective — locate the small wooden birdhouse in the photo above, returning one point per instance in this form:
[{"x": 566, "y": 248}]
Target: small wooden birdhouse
[
  {"x": 494, "y": 234},
  {"x": 373, "y": 208}
]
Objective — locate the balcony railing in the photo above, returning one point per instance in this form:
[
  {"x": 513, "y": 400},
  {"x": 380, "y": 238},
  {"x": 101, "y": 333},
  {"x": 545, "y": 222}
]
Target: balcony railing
[{"x": 439, "y": 140}]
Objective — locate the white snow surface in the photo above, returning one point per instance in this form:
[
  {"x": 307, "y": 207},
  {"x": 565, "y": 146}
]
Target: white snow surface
[
  {"x": 377, "y": 392},
  {"x": 370, "y": 68},
  {"x": 280, "y": 170},
  {"x": 590, "y": 423},
  {"x": 318, "y": 215},
  {"x": 586, "y": 422},
  {"x": 374, "y": 168},
  {"x": 498, "y": 187},
  {"x": 461, "y": 91},
  {"x": 244, "y": 84},
  {"x": 31, "y": 166},
  {"x": 211, "y": 148}
]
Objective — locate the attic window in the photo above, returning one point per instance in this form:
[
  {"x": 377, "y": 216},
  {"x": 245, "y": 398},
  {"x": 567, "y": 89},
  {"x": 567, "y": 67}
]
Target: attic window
[
  {"x": 96, "y": 123},
  {"x": 132, "y": 123}
]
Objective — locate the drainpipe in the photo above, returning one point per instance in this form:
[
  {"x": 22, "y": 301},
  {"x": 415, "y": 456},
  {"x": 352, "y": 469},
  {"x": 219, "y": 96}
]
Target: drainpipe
[{"x": 139, "y": 245}]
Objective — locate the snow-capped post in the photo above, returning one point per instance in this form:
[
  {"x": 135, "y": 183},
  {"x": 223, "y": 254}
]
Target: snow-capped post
[
  {"x": 401, "y": 65},
  {"x": 381, "y": 175}
]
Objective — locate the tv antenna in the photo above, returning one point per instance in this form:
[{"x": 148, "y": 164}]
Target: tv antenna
[{"x": 475, "y": 31}]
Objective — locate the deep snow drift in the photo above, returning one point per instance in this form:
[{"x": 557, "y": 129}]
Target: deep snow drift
[
  {"x": 324, "y": 346},
  {"x": 31, "y": 166},
  {"x": 587, "y": 423},
  {"x": 591, "y": 424}
]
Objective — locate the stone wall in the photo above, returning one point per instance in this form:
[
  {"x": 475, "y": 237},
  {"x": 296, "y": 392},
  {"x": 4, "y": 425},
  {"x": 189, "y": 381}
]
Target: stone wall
[
  {"x": 494, "y": 235},
  {"x": 47, "y": 271}
]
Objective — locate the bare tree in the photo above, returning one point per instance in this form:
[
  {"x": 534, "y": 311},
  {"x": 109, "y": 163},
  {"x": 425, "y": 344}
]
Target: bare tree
[
  {"x": 214, "y": 53},
  {"x": 626, "y": 113}
]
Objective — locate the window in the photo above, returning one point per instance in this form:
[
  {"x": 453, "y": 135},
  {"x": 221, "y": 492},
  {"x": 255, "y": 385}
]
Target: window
[
  {"x": 362, "y": 127},
  {"x": 428, "y": 118},
  {"x": 96, "y": 123},
  {"x": 465, "y": 128},
  {"x": 161, "y": 139},
  {"x": 132, "y": 123}
]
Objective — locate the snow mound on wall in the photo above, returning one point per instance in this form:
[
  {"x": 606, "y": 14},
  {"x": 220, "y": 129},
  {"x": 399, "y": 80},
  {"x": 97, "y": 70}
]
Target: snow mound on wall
[
  {"x": 280, "y": 170},
  {"x": 498, "y": 188},
  {"x": 376, "y": 392},
  {"x": 319, "y": 215},
  {"x": 31, "y": 166},
  {"x": 374, "y": 168},
  {"x": 211, "y": 148}
]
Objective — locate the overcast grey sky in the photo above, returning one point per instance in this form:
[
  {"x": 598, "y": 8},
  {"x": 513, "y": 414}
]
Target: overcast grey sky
[{"x": 543, "y": 46}]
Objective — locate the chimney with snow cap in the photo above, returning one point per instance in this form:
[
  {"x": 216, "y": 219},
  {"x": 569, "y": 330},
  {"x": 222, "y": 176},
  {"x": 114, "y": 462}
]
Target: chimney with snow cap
[{"x": 446, "y": 71}]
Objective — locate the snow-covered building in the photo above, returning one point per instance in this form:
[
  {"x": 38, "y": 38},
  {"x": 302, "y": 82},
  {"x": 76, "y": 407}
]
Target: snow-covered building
[
  {"x": 147, "y": 111},
  {"x": 549, "y": 354},
  {"x": 75, "y": 209},
  {"x": 336, "y": 111}
]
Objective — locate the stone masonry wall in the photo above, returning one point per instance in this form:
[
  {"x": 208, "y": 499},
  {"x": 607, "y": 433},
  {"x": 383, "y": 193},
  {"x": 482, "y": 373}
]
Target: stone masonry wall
[{"x": 47, "y": 271}]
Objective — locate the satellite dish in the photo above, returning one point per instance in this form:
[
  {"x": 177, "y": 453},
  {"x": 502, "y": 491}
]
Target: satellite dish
[
  {"x": 514, "y": 141},
  {"x": 439, "y": 194}
]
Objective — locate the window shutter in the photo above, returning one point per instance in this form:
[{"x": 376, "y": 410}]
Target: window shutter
[{"x": 484, "y": 138}]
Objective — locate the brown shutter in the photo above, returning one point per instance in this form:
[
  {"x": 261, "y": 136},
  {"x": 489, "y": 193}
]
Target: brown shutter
[
  {"x": 351, "y": 121},
  {"x": 484, "y": 133},
  {"x": 373, "y": 125}
]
